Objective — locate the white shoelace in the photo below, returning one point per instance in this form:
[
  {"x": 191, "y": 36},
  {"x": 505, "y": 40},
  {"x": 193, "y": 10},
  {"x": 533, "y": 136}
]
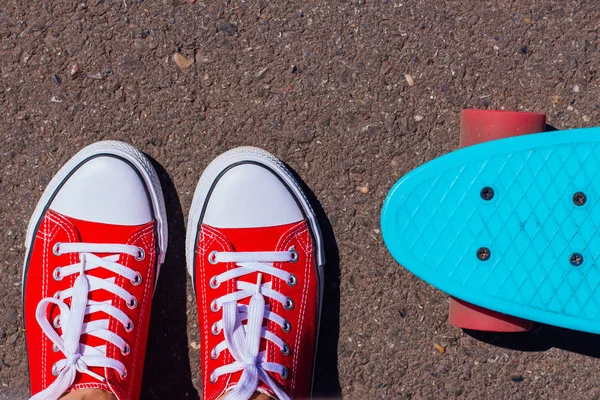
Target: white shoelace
[
  {"x": 80, "y": 357},
  {"x": 243, "y": 341}
]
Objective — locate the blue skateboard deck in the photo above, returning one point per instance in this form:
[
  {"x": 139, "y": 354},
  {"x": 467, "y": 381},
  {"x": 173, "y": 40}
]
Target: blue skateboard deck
[{"x": 511, "y": 225}]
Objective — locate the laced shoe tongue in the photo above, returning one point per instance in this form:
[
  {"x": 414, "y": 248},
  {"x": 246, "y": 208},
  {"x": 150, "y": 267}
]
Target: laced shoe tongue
[
  {"x": 95, "y": 232},
  {"x": 257, "y": 239}
]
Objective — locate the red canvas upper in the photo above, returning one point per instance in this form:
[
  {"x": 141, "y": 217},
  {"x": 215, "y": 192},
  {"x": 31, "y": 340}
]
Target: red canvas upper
[
  {"x": 39, "y": 284},
  {"x": 303, "y": 317}
]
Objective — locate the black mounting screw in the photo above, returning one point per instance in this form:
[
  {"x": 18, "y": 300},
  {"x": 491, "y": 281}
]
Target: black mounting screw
[
  {"x": 579, "y": 198},
  {"x": 483, "y": 253},
  {"x": 576, "y": 259},
  {"x": 487, "y": 193}
]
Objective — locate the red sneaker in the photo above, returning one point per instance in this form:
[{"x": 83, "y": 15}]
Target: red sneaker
[
  {"x": 255, "y": 254},
  {"x": 95, "y": 244}
]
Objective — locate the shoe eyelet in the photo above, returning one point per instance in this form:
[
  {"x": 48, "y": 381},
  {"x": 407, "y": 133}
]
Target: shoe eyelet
[
  {"x": 56, "y": 274},
  {"x": 215, "y": 329},
  {"x": 214, "y": 283},
  {"x": 214, "y": 307},
  {"x": 141, "y": 255},
  {"x": 132, "y": 303},
  {"x": 57, "y": 295},
  {"x": 287, "y": 327},
  {"x": 56, "y": 249},
  {"x": 56, "y": 322},
  {"x": 289, "y": 304},
  {"x": 292, "y": 281},
  {"x": 129, "y": 326},
  {"x": 212, "y": 257},
  {"x": 55, "y": 348},
  {"x": 137, "y": 281},
  {"x": 213, "y": 353},
  {"x": 286, "y": 350},
  {"x": 123, "y": 374},
  {"x": 213, "y": 378},
  {"x": 55, "y": 370},
  {"x": 126, "y": 350},
  {"x": 294, "y": 254},
  {"x": 284, "y": 373}
]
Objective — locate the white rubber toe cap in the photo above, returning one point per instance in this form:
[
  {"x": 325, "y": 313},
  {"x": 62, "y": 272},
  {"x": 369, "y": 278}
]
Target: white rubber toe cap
[
  {"x": 249, "y": 196},
  {"x": 104, "y": 189}
]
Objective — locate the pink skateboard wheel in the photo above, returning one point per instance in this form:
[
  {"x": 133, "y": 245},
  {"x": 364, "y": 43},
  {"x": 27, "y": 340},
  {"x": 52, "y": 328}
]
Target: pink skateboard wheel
[
  {"x": 469, "y": 316},
  {"x": 477, "y": 126}
]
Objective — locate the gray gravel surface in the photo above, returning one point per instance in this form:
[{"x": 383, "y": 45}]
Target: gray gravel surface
[{"x": 321, "y": 84}]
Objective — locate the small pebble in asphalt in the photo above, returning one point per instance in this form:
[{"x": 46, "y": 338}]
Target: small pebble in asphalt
[
  {"x": 294, "y": 69},
  {"x": 56, "y": 79},
  {"x": 182, "y": 61},
  {"x": 75, "y": 69}
]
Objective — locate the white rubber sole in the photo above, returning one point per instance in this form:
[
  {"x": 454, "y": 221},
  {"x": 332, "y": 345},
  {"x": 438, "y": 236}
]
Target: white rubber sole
[
  {"x": 121, "y": 150},
  {"x": 262, "y": 157}
]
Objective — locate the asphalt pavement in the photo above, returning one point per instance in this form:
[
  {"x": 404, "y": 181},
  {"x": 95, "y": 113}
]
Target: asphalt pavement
[{"x": 351, "y": 94}]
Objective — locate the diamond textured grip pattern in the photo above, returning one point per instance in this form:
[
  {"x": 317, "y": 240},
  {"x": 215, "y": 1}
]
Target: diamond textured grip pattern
[{"x": 434, "y": 221}]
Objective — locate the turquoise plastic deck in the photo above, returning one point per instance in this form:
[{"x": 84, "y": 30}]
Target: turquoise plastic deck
[{"x": 434, "y": 220}]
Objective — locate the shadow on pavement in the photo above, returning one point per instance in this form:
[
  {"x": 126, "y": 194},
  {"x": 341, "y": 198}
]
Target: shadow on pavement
[
  {"x": 543, "y": 337},
  {"x": 326, "y": 376},
  {"x": 167, "y": 373}
]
